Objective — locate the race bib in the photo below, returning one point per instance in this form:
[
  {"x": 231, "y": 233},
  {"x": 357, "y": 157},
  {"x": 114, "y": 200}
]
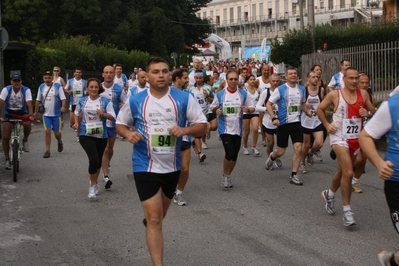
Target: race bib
[
  {"x": 78, "y": 93},
  {"x": 94, "y": 129},
  {"x": 294, "y": 107},
  {"x": 230, "y": 109},
  {"x": 161, "y": 141},
  {"x": 351, "y": 128}
]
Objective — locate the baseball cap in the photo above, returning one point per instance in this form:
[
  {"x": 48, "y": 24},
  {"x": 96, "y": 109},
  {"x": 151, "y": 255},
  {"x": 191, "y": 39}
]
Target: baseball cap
[
  {"x": 16, "y": 77},
  {"x": 47, "y": 73}
]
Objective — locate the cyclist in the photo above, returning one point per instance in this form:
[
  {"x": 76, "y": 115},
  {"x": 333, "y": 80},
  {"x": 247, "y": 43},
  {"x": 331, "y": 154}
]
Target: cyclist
[{"x": 17, "y": 100}]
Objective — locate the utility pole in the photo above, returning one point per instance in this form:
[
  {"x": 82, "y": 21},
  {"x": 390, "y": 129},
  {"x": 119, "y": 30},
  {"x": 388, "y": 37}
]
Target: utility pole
[
  {"x": 311, "y": 22},
  {"x": 301, "y": 15}
]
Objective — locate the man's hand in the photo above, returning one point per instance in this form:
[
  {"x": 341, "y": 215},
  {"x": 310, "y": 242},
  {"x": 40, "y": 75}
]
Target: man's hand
[
  {"x": 331, "y": 128},
  {"x": 385, "y": 170},
  {"x": 133, "y": 137},
  {"x": 177, "y": 131}
]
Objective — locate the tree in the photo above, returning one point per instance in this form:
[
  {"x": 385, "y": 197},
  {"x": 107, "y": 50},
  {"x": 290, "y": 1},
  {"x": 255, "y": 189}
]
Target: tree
[{"x": 155, "y": 26}]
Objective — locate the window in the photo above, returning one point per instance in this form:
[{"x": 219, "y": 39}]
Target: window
[
  {"x": 330, "y": 4},
  {"x": 204, "y": 14},
  {"x": 246, "y": 16},
  {"x": 270, "y": 13},
  {"x": 253, "y": 11},
  {"x": 211, "y": 14},
  {"x": 225, "y": 14},
  {"x": 239, "y": 13},
  {"x": 231, "y": 14},
  {"x": 260, "y": 9},
  {"x": 342, "y": 3},
  {"x": 199, "y": 14},
  {"x": 293, "y": 9},
  {"x": 353, "y": 3},
  {"x": 217, "y": 20}
]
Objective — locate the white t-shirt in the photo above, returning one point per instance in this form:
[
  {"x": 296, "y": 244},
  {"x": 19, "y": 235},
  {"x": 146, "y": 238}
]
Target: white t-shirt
[
  {"x": 380, "y": 123},
  {"x": 16, "y": 100}
]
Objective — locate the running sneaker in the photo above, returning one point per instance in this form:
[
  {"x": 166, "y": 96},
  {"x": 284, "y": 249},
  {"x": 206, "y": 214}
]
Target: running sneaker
[
  {"x": 225, "y": 182},
  {"x": 8, "y": 164},
  {"x": 201, "y": 157},
  {"x": 179, "y": 200},
  {"x": 264, "y": 143},
  {"x": 25, "y": 146},
  {"x": 302, "y": 168},
  {"x": 229, "y": 182},
  {"x": 278, "y": 163},
  {"x": 204, "y": 146},
  {"x": 318, "y": 156},
  {"x": 329, "y": 201},
  {"x": 295, "y": 180},
  {"x": 255, "y": 151},
  {"x": 385, "y": 257},
  {"x": 92, "y": 192},
  {"x": 208, "y": 135},
  {"x": 259, "y": 129},
  {"x": 333, "y": 155},
  {"x": 309, "y": 159},
  {"x": 356, "y": 188},
  {"x": 108, "y": 182},
  {"x": 97, "y": 188},
  {"x": 245, "y": 151},
  {"x": 269, "y": 162},
  {"x": 77, "y": 139},
  {"x": 193, "y": 145},
  {"x": 219, "y": 138},
  {"x": 348, "y": 218},
  {"x": 60, "y": 146}
]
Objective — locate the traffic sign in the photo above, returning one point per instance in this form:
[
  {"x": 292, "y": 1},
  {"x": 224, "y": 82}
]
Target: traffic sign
[{"x": 4, "y": 38}]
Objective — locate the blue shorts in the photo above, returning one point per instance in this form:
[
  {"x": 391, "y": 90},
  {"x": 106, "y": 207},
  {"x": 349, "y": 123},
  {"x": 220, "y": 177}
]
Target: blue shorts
[
  {"x": 111, "y": 131},
  {"x": 52, "y": 122}
]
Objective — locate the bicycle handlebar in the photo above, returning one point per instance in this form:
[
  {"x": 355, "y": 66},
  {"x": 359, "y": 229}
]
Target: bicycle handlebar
[{"x": 18, "y": 118}]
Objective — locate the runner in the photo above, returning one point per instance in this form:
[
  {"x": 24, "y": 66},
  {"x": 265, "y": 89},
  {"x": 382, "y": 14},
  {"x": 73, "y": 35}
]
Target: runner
[
  {"x": 288, "y": 121},
  {"x": 267, "y": 125},
  {"x": 158, "y": 118},
  {"x": 251, "y": 120},
  {"x": 76, "y": 89},
  {"x": 350, "y": 105},
  {"x": 229, "y": 105},
  {"x": 263, "y": 83},
  {"x": 92, "y": 112},
  {"x": 311, "y": 124}
]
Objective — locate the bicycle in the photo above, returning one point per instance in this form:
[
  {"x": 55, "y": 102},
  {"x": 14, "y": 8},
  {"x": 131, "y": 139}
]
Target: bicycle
[{"x": 15, "y": 142}]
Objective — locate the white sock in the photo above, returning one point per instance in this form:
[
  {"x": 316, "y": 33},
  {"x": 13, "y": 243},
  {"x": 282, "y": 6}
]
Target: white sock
[
  {"x": 347, "y": 208},
  {"x": 179, "y": 192},
  {"x": 355, "y": 180},
  {"x": 331, "y": 194}
]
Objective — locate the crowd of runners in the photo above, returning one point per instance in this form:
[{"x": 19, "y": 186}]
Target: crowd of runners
[{"x": 165, "y": 113}]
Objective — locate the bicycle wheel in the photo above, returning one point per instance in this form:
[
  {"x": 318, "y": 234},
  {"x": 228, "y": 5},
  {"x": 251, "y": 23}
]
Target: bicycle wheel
[{"x": 14, "y": 160}]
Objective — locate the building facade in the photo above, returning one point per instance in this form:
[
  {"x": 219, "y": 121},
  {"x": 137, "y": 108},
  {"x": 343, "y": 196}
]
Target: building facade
[{"x": 254, "y": 20}]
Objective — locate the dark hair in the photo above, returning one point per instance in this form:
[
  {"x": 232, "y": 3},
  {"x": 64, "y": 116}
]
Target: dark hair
[
  {"x": 291, "y": 68},
  {"x": 207, "y": 78},
  {"x": 155, "y": 60},
  {"x": 350, "y": 68},
  {"x": 248, "y": 77},
  {"x": 117, "y": 64},
  {"x": 314, "y": 66},
  {"x": 100, "y": 87},
  {"x": 311, "y": 71},
  {"x": 343, "y": 60},
  {"x": 231, "y": 70},
  {"x": 178, "y": 73},
  {"x": 78, "y": 68}
]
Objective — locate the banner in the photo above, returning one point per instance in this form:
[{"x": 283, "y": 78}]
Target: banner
[
  {"x": 221, "y": 44},
  {"x": 263, "y": 49},
  {"x": 255, "y": 52}
]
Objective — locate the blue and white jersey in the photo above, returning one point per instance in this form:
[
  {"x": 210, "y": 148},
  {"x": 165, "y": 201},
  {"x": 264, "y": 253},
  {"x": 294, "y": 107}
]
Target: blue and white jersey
[
  {"x": 92, "y": 124},
  {"x": 230, "y": 121},
  {"x": 122, "y": 81},
  {"x": 78, "y": 88},
  {"x": 159, "y": 152},
  {"x": 386, "y": 121},
  {"x": 117, "y": 96},
  {"x": 337, "y": 81},
  {"x": 16, "y": 101},
  {"x": 289, "y": 101},
  {"x": 136, "y": 90},
  {"x": 52, "y": 99},
  {"x": 198, "y": 94}
]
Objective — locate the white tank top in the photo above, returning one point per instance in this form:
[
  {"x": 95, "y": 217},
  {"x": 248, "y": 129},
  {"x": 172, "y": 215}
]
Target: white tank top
[{"x": 314, "y": 121}]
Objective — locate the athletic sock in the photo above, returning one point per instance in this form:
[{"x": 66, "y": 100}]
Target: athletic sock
[
  {"x": 178, "y": 192},
  {"x": 331, "y": 194},
  {"x": 347, "y": 208},
  {"x": 355, "y": 180},
  {"x": 293, "y": 173}
]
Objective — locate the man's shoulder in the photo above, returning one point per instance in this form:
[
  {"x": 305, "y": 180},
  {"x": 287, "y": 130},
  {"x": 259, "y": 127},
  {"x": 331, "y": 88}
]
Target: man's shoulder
[{"x": 117, "y": 88}]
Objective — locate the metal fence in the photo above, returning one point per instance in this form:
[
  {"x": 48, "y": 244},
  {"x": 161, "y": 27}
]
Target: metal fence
[{"x": 379, "y": 61}]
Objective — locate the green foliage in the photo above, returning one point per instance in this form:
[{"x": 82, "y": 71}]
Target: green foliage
[
  {"x": 158, "y": 27},
  {"x": 296, "y": 43}
]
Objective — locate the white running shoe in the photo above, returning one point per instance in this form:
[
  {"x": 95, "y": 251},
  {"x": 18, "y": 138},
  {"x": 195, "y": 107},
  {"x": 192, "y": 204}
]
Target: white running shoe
[
  {"x": 302, "y": 168},
  {"x": 255, "y": 151},
  {"x": 204, "y": 146},
  {"x": 8, "y": 164},
  {"x": 179, "y": 200},
  {"x": 92, "y": 192},
  {"x": 245, "y": 151},
  {"x": 25, "y": 146}
]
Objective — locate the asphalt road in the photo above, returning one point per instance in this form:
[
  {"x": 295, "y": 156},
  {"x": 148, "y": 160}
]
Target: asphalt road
[{"x": 47, "y": 219}]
